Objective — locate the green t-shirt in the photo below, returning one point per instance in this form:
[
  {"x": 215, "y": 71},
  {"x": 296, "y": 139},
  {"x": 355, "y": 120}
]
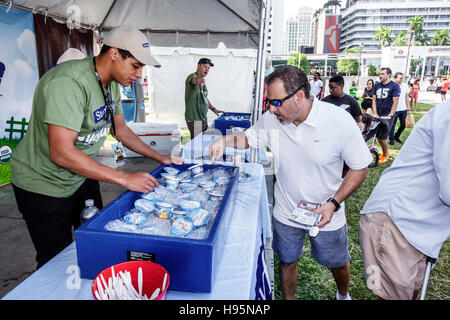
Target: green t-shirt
[
  {"x": 69, "y": 96},
  {"x": 196, "y": 100}
]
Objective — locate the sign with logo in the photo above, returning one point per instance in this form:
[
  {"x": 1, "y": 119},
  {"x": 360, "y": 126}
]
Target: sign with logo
[
  {"x": 331, "y": 40},
  {"x": 18, "y": 78}
]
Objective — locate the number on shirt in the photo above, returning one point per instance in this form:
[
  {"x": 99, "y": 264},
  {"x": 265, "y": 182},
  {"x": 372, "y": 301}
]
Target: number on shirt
[{"x": 382, "y": 93}]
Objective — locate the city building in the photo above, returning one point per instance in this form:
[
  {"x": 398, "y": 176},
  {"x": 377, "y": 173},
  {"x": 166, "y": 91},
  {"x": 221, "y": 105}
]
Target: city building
[
  {"x": 299, "y": 31},
  {"x": 361, "y": 18}
]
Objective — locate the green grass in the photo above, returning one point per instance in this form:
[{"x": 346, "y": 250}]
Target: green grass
[
  {"x": 316, "y": 282},
  {"x": 5, "y": 169}
]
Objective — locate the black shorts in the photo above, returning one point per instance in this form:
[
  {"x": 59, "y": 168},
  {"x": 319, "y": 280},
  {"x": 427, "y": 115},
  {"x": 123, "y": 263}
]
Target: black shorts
[
  {"x": 443, "y": 93},
  {"x": 50, "y": 220},
  {"x": 384, "y": 128}
]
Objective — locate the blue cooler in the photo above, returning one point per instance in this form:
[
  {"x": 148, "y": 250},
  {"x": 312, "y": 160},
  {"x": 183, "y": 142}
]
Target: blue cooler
[
  {"x": 230, "y": 120},
  {"x": 191, "y": 263}
]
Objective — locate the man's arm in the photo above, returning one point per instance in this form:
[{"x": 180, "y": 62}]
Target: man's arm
[
  {"x": 374, "y": 105},
  {"x": 130, "y": 140},
  {"x": 352, "y": 181},
  {"x": 394, "y": 105},
  {"x": 62, "y": 151},
  {"x": 237, "y": 140},
  {"x": 216, "y": 111}
]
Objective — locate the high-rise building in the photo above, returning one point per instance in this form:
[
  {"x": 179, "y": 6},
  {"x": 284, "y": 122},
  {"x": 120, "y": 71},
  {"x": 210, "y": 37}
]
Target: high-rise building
[
  {"x": 361, "y": 18},
  {"x": 299, "y": 30},
  {"x": 277, "y": 27}
]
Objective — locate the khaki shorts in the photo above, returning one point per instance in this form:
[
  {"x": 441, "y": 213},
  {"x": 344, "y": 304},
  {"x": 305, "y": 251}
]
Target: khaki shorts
[{"x": 394, "y": 269}]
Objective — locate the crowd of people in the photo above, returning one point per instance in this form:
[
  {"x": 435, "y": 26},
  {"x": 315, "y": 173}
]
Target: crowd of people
[{"x": 322, "y": 159}]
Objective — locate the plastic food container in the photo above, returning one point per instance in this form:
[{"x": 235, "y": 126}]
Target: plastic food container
[
  {"x": 144, "y": 205},
  {"x": 196, "y": 169},
  {"x": 163, "y": 209}
]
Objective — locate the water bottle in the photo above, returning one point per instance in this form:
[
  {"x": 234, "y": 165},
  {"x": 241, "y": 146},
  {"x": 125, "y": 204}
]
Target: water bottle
[{"x": 89, "y": 211}]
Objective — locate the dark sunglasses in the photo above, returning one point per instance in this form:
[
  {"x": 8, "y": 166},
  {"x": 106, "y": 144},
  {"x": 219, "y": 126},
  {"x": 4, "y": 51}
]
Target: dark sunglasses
[{"x": 277, "y": 102}]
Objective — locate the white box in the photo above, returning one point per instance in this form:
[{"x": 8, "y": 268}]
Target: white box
[{"x": 163, "y": 137}]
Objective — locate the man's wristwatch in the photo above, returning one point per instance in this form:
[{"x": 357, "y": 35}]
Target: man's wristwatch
[{"x": 336, "y": 204}]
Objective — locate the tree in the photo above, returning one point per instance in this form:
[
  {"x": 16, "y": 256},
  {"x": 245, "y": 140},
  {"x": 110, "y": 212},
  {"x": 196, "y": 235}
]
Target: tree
[
  {"x": 334, "y": 4},
  {"x": 441, "y": 38},
  {"x": 293, "y": 60},
  {"x": 422, "y": 39},
  {"x": 415, "y": 27},
  {"x": 400, "y": 40},
  {"x": 349, "y": 66},
  {"x": 304, "y": 63},
  {"x": 383, "y": 34}
]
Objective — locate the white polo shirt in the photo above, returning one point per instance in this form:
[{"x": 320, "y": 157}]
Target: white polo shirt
[
  {"x": 401, "y": 100},
  {"x": 309, "y": 157},
  {"x": 315, "y": 86}
]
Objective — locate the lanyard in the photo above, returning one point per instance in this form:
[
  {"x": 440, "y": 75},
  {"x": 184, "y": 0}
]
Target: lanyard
[{"x": 109, "y": 114}]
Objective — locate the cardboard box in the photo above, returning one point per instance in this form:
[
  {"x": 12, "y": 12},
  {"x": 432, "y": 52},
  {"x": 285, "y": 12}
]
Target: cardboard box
[
  {"x": 191, "y": 264},
  {"x": 227, "y": 125},
  {"x": 163, "y": 137}
]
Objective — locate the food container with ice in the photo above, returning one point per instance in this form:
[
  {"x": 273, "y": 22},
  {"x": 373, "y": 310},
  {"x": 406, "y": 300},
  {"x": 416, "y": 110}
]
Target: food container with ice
[
  {"x": 163, "y": 209},
  {"x": 98, "y": 248}
]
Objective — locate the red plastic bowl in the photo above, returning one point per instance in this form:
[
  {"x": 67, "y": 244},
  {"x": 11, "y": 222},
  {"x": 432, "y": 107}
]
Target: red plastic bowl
[{"x": 153, "y": 277}]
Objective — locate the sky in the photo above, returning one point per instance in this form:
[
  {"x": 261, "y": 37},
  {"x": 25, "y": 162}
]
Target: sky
[{"x": 290, "y": 6}]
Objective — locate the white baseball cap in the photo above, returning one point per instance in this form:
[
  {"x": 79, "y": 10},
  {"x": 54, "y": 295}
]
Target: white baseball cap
[{"x": 133, "y": 40}]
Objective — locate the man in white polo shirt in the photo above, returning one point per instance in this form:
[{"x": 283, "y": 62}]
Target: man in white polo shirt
[{"x": 310, "y": 141}]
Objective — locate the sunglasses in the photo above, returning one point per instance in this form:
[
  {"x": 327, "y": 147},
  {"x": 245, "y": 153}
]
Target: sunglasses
[{"x": 279, "y": 102}]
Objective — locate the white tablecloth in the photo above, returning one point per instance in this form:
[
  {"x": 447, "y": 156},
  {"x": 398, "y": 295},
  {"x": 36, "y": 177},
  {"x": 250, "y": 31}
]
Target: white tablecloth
[{"x": 242, "y": 275}]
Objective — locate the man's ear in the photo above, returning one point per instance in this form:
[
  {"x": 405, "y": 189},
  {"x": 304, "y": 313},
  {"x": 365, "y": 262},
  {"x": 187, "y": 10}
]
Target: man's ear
[
  {"x": 299, "y": 96},
  {"x": 113, "y": 53}
]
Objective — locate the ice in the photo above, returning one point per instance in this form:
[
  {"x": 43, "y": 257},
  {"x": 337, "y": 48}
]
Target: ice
[{"x": 138, "y": 222}]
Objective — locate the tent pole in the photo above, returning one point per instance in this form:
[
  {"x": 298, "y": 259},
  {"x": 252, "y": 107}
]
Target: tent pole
[{"x": 256, "y": 112}]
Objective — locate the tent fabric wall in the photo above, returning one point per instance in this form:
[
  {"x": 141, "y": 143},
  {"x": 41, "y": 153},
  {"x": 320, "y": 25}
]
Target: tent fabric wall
[
  {"x": 175, "y": 23},
  {"x": 230, "y": 81},
  {"x": 53, "y": 39}
]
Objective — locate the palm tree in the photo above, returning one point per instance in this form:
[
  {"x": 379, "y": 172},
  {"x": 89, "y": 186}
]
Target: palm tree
[
  {"x": 422, "y": 39},
  {"x": 383, "y": 34},
  {"x": 334, "y": 4},
  {"x": 441, "y": 38},
  {"x": 415, "y": 27},
  {"x": 400, "y": 40}
]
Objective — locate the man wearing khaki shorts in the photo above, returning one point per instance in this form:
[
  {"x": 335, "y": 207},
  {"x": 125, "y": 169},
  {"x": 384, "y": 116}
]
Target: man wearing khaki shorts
[{"x": 406, "y": 218}]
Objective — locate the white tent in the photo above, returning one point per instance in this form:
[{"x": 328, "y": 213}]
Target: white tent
[
  {"x": 230, "y": 81},
  {"x": 238, "y": 24}
]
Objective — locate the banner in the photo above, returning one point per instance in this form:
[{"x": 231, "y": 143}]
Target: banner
[{"x": 18, "y": 78}]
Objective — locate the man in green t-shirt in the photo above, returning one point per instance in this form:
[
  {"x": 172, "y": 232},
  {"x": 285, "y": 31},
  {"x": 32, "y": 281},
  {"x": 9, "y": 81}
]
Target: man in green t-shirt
[
  {"x": 75, "y": 105},
  {"x": 196, "y": 99}
]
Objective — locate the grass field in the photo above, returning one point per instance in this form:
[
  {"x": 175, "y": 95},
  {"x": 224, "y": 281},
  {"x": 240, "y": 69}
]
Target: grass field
[{"x": 316, "y": 282}]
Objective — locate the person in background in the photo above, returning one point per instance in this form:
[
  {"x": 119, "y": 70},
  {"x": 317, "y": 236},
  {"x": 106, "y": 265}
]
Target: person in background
[
  {"x": 406, "y": 217},
  {"x": 196, "y": 99},
  {"x": 317, "y": 87},
  {"x": 384, "y": 104},
  {"x": 444, "y": 89},
  {"x": 76, "y": 104},
  {"x": 329, "y": 136},
  {"x": 368, "y": 96},
  {"x": 415, "y": 93},
  {"x": 338, "y": 98},
  {"x": 352, "y": 90},
  {"x": 401, "y": 111}
]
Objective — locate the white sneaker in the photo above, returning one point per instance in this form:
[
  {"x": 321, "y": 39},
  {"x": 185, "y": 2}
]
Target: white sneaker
[{"x": 339, "y": 297}]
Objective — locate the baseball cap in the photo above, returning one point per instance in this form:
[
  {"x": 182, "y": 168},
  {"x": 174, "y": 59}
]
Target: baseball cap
[
  {"x": 133, "y": 40},
  {"x": 205, "y": 61}
]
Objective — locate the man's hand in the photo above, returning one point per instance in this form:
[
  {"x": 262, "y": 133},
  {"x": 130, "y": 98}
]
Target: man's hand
[
  {"x": 169, "y": 159},
  {"x": 327, "y": 211},
  {"x": 216, "y": 149},
  {"x": 217, "y": 111},
  {"x": 140, "y": 182}
]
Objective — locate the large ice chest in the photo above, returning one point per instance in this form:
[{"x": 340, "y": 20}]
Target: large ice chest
[
  {"x": 192, "y": 264},
  {"x": 163, "y": 137},
  {"x": 224, "y": 123}
]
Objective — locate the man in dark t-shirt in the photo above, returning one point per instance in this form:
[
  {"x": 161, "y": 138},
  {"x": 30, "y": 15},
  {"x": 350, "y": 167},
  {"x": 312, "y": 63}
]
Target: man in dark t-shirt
[
  {"x": 384, "y": 104},
  {"x": 342, "y": 100}
]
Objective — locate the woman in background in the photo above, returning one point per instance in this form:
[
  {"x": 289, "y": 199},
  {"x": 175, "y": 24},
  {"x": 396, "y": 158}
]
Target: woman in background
[
  {"x": 415, "y": 93},
  {"x": 367, "y": 96}
]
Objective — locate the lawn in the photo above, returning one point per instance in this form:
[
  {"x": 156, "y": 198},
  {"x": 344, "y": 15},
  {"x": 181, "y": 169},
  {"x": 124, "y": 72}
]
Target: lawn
[{"x": 316, "y": 282}]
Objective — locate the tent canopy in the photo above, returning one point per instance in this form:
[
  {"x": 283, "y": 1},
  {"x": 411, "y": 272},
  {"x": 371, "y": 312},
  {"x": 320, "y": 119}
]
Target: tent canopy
[{"x": 170, "y": 23}]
